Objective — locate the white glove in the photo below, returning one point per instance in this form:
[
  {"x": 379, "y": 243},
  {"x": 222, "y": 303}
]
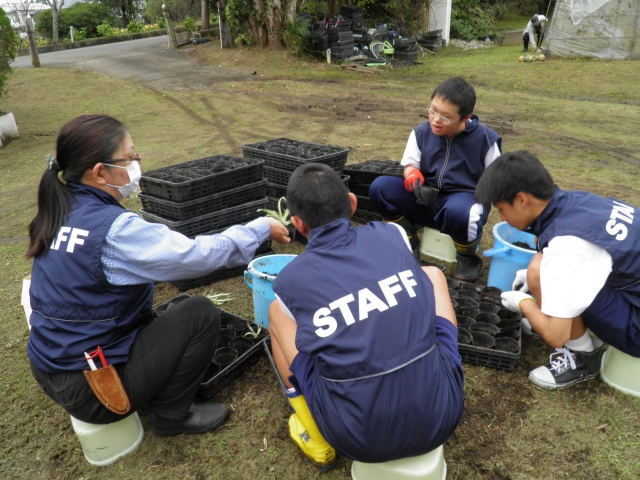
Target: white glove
[
  {"x": 512, "y": 300},
  {"x": 520, "y": 283}
]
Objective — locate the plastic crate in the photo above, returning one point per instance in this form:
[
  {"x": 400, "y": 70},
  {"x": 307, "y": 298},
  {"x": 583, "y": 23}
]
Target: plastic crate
[
  {"x": 487, "y": 357},
  {"x": 359, "y": 189},
  {"x": 290, "y": 154},
  {"x": 199, "y": 178},
  {"x": 363, "y": 216},
  {"x": 205, "y": 223},
  {"x": 277, "y": 190},
  {"x": 221, "y": 273},
  {"x": 490, "y": 357},
  {"x": 211, "y": 203},
  {"x": 362, "y": 173},
  {"x": 364, "y": 203},
  {"x": 213, "y": 384}
]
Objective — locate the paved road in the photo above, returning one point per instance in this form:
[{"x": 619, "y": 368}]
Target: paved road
[{"x": 147, "y": 61}]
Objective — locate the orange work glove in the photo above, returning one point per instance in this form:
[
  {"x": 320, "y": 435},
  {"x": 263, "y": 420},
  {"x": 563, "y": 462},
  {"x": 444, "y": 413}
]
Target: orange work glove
[{"x": 414, "y": 180}]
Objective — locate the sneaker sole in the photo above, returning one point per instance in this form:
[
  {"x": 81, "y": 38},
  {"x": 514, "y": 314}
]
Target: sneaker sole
[{"x": 553, "y": 386}]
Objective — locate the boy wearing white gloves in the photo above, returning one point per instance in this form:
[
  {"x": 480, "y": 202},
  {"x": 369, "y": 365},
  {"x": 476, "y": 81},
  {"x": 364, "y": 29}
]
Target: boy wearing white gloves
[{"x": 586, "y": 271}]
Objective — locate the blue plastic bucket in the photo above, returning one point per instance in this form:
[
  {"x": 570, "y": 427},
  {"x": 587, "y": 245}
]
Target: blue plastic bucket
[
  {"x": 506, "y": 258},
  {"x": 259, "y": 277}
]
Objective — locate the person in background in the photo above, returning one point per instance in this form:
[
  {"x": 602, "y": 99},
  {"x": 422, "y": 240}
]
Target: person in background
[
  {"x": 444, "y": 159},
  {"x": 534, "y": 30},
  {"x": 92, "y": 284},
  {"x": 365, "y": 341},
  {"x": 585, "y": 274}
]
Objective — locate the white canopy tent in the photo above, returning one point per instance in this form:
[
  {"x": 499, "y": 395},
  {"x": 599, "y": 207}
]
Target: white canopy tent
[{"x": 595, "y": 28}]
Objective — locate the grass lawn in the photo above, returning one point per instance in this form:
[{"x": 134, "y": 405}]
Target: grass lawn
[{"x": 578, "y": 116}]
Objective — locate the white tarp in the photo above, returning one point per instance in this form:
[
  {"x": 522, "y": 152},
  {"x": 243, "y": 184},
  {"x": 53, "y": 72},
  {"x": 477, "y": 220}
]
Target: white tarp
[{"x": 595, "y": 28}]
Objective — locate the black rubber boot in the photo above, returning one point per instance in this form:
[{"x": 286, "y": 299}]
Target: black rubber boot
[
  {"x": 469, "y": 264},
  {"x": 411, "y": 230}
]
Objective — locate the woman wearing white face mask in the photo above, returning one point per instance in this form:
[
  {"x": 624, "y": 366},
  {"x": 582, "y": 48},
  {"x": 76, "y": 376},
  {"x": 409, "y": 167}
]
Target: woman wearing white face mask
[{"x": 94, "y": 268}]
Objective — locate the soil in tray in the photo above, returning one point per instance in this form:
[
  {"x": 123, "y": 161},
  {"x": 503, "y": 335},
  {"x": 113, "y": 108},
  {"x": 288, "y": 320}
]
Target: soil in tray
[
  {"x": 225, "y": 336},
  {"x": 486, "y": 317},
  {"x": 241, "y": 344},
  {"x": 484, "y": 328},
  {"x": 464, "y": 336},
  {"x": 466, "y": 302},
  {"x": 507, "y": 344},
  {"x": 483, "y": 340},
  {"x": 224, "y": 356}
]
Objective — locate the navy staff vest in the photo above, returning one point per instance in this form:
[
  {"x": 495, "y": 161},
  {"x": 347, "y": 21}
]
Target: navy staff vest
[
  {"x": 75, "y": 308},
  {"x": 456, "y": 164},
  {"x": 361, "y": 301},
  {"x": 607, "y": 222}
]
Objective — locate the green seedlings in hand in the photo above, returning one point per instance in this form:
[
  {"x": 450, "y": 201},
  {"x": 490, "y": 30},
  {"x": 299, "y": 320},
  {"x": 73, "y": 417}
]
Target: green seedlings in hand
[
  {"x": 218, "y": 298},
  {"x": 282, "y": 217}
]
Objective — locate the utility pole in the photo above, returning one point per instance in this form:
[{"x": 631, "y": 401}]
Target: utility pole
[{"x": 33, "y": 49}]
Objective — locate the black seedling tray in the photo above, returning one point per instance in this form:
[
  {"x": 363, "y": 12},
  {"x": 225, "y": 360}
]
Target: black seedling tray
[
  {"x": 278, "y": 190},
  {"x": 366, "y": 172},
  {"x": 363, "y": 216},
  {"x": 215, "y": 381},
  {"x": 290, "y": 154},
  {"x": 359, "y": 189},
  {"x": 488, "y": 357},
  {"x": 364, "y": 203},
  {"x": 221, "y": 273},
  {"x": 201, "y": 206},
  {"x": 199, "y": 178},
  {"x": 205, "y": 223}
]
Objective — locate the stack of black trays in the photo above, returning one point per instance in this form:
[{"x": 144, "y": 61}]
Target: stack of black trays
[
  {"x": 341, "y": 39},
  {"x": 361, "y": 176},
  {"x": 282, "y": 156},
  {"x": 354, "y": 14},
  {"x": 405, "y": 49},
  {"x": 432, "y": 40},
  {"x": 320, "y": 36},
  {"x": 205, "y": 196}
]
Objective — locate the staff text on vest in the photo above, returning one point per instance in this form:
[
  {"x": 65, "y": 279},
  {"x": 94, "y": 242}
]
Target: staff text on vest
[
  {"x": 622, "y": 212},
  {"x": 76, "y": 238},
  {"x": 367, "y": 302}
]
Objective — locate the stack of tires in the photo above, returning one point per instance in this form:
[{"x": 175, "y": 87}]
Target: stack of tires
[
  {"x": 361, "y": 176},
  {"x": 205, "y": 196}
]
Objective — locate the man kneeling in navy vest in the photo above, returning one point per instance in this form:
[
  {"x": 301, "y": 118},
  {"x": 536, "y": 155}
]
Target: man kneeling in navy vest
[{"x": 363, "y": 337}]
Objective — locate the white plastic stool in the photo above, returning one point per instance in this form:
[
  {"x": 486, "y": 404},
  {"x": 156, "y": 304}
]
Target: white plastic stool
[
  {"x": 437, "y": 245},
  {"x": 430, "y": 466},
  {"x": 621, "y": 371},
  {"x": 104, "y": 444}
]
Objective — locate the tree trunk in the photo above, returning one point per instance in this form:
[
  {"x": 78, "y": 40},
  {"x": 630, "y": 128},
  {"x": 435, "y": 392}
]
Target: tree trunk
[
  {"x": 292, "y": 8},
  {"x": 424, "y": 17},
  {"x": 54, "y": 16},
  {"x": 205, "y": 14},
  {"x": 274, "y": 16},
  {"x": 262, "y": 38}
]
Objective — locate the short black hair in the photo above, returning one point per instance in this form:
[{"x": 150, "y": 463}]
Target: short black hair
[
  {"x": 316, "y": 194},
  {"x": 458, "y": 92},
  {"x": 511, "y": 173}
]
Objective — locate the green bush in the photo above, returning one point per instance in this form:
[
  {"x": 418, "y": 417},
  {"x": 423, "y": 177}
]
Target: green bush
[
  {"x": 9, "y": 42},
  {"x": 162, "y": 23},
  {"x": 134, "y": 27},
  {"x": 80, "y": 34},
  {"x": 189, "y": 24},
  {"x": 106, "y": 30},
  {"x": 297, "y": 37},
  {"x": 80, "y": 15},
  {"x": 471, "y": 19}
]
